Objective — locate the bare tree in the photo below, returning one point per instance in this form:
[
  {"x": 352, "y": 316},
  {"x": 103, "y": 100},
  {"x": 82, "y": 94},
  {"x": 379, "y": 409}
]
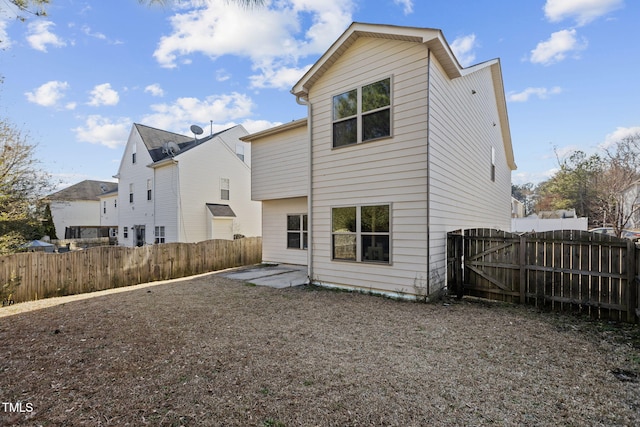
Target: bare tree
[{"x": 618, "y": 196}]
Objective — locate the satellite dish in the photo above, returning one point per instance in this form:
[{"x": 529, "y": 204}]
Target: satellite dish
[
  {"x": 196, "y": 129},
  {"x": 170, "y": 148}
]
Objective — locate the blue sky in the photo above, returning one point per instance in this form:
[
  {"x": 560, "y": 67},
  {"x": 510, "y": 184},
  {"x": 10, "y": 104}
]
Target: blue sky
[{"x": 77, "y": 79}]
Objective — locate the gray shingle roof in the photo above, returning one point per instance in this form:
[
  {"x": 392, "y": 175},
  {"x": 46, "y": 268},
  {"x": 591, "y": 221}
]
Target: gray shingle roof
[
  {"x": 85, "y": 190},
  {"x": 220, "y": 210},
  {"x": 155, "y": 139}
]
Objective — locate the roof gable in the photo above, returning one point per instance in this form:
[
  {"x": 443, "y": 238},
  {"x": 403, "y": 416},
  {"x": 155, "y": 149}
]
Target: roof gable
[{"x": 432, "y": 38}]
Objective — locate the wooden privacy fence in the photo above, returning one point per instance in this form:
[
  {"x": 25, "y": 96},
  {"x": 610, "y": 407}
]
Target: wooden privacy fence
[
  {"x": 565, "y": 270},
  {"x": 35, "y": 275}
]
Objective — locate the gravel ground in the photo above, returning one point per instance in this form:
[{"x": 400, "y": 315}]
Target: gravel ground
[{"x": 211, "y": 351}]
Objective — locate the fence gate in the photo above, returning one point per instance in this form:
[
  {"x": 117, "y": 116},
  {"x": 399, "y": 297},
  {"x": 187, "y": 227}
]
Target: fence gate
[
  {"x": 563, "y": 270},
  {"x": 492, "y": 265}
]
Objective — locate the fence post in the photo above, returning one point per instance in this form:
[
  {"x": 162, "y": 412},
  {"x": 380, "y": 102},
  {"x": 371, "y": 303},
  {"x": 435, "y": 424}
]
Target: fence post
[
  {"x": 632, "y": 295},
  {"x": 522, "y": 262}
]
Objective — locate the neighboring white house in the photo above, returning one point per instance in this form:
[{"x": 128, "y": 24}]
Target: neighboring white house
[
  {"x": 175, "y": 188},
  {"x": 400, "y": 146},
  {"x": 76, "y": 210},
  {"x": 631, "y": 206}
]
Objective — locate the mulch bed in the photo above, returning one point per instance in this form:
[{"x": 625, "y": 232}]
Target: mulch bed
[{"x": 211, "y": 351}]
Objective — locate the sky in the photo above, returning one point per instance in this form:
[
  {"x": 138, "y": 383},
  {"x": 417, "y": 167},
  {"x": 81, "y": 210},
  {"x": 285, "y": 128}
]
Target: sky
[{"x": 75, "y": 81}]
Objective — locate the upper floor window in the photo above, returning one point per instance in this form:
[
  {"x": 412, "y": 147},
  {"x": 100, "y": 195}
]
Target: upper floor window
[
  {"x": 130, "y": 193},
  {"x": 104, "y": 207},
  {"x": 148, "y": 189},
  {"x": 133, "y": 153},
  {"x": 493, "y": 164},
  {"x": 224, "y": 188},
  {"x": 362, "y": 114}
]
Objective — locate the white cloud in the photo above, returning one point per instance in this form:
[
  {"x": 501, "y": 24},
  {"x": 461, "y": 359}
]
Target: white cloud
[
  {"x": 583, "y": 11},
  {"x": 407, "y": 5},
  {"x": 185, "y": 111},
  {"x": 557, "y": 47},
  {"x": 462, "y": 48},
  {"x": 48, "y": 94},
  {"x": 619, "y": 134},
  {"x": 5, "y": 19},
  {"x": 155, "y": 90},
  {"x": 279, "y": 78},
  {"x": 104, "y": 131},
  {"x": 271, "y": 37},
  {"x": 103, "y": 95},
  {"x": 222, "y": 75},
  {"x": 533, "y": 177},
  {"x": 39, "y": 36},
  {"x": 253, "y": 126},
  {"x": 540, "y": 92}
]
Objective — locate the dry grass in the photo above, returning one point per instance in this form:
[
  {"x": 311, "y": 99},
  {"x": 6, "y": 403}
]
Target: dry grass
[{"x": 211, "y": 351}]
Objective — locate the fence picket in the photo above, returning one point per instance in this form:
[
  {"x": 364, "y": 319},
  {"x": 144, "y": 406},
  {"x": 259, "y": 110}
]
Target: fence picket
[{"x": 39, "y": 275}]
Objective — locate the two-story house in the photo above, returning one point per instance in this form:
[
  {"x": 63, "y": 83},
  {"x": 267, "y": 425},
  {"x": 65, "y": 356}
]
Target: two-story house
[
  {"x": 401, "y": 145},
  {"x": 176, "y": 188},
  {"x": 77, "y": 210}
]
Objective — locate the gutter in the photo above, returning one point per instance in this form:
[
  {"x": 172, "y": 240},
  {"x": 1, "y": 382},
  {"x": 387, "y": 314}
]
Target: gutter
[{"x": 302, "y": 101}]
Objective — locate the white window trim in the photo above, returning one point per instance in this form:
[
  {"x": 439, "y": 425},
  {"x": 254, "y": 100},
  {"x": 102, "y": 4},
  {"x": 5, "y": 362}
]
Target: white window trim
[{"x": 301, "y": 231}]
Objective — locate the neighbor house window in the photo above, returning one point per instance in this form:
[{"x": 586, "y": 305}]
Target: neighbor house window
[
  {"x": 115, "y": 203},
  {"x": 362, "y": 114},
  {"x": 361, "y": 233},
  {"x": 125, "y": 232},
  {"x": 104, "y": 207},
  {"x": 148, "y": 189},
  {"x": 159, "y": 232},
  {"x": 133, "y": 154},
  {"x": 130, "y": 193},
  {"x": 297, "y": 234},
  {"x": 224, "y": 188}
]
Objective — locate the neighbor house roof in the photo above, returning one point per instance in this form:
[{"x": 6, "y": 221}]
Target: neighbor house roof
[
  {"x": 155, "y": 141},
  {"x": 84, "y": 190}
]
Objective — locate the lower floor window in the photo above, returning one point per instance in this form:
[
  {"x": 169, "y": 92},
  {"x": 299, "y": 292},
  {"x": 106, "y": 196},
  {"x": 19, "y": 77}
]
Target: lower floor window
[
  {"x": 297, "y": 234},
  {"x": 159, "y": 234},
  {"x": 361, "y": 233}
]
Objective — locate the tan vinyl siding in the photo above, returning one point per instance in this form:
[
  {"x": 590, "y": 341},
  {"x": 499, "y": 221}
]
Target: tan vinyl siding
[
  {"x": 274, "y": 229},
  {"x": 462, "y": 134},
  {"x": 387, "y": 171},
  {"x": 280, "y": 165}
]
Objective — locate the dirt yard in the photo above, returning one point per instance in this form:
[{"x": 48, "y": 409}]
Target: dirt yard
[{"x": 210, "y": 351}]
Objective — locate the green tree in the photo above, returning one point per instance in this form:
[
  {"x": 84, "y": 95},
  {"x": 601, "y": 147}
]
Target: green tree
[
  {"x": 22, "y": 185},
  {"x": 574, "y": 186}
]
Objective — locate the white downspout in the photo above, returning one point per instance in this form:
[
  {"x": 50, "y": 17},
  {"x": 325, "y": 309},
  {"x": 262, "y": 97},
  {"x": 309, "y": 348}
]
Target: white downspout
[
  {"x": 306, "y": 102},
  {"x": 428, "y": 173}
]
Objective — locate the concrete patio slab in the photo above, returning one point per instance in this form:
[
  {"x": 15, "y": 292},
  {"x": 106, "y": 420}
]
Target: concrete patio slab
[{"x": 276, "y": 276}]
